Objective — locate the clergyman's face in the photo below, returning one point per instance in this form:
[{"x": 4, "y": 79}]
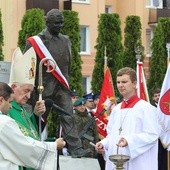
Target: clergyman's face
[{"x": 22, "y": 93}]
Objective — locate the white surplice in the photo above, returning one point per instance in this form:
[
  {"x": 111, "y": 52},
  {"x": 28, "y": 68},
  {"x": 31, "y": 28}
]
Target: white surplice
[
  {"x": 140, "y": 129},
  {"x": 17, "y": 149}
]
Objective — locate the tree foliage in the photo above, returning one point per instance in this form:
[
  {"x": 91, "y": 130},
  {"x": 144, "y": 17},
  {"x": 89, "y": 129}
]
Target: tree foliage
[
  {"x": 32, "y": 24},
  {"x": 71, "y": 28},
  {"x": 158, "y": 62},
  {"x": 109, "y": 37},
  {"x": 132, "y": 40},
  {"x": 1, "y": 39}
]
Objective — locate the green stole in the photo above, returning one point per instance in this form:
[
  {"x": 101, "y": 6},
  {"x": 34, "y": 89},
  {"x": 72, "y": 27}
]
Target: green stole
[{"x": 26, "y": 123}]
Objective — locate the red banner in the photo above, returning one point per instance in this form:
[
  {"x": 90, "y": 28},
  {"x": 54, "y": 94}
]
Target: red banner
[
  {"x": 142, "y": 91},
  {"x": 106, "y": 102}
]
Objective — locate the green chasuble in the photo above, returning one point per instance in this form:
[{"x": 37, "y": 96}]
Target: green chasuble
[{"x": 26, "y": 123}]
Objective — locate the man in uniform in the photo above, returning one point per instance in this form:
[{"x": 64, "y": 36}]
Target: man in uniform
[
  {"x": 74, "y": 95},
  {"x": 90, "y": 134},
  {"x": 89, "y": 103}
]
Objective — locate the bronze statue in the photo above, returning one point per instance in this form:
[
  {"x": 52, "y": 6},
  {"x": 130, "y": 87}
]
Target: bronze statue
[{"x": 58, "y": 46}]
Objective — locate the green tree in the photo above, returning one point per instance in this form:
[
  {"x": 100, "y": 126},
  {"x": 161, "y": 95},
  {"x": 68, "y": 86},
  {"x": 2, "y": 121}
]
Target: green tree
[
  {"x": 109, "y": 38},
  {"x": 32, "y": 24},
  {"x": 132, "y": 40},
  {"x": 1, "y": 39},
  {"x": 158, "y": 62},
  {"x": 72, "y": 29}
]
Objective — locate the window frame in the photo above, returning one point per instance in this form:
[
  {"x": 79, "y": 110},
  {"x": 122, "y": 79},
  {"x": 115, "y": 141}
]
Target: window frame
[
  {"x": 81, "y": 1},
  {"x": 108, "y": 9},
  {"x": 87, "y": 40},
  {"x": 149, "y": 37},
  {"x": 150, "y": 4}
]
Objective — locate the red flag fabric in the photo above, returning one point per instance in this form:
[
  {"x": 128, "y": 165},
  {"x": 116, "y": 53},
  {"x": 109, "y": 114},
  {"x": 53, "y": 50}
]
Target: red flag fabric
[
  {"x": 163, "y": 109},
  {"x": 106, "y": 101},
  {"x": 142, "y": 91}
]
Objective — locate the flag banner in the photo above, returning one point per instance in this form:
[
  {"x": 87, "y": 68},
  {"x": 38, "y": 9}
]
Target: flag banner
[
  {"x": 106, "y": 102},
  {"x": 43, "y": 52},
  {"x": 142, "y": 91},
  {"x": 164, "y": 110}
]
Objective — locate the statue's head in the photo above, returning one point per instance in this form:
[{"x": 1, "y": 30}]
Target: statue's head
[{"x": 54, "y": 21}]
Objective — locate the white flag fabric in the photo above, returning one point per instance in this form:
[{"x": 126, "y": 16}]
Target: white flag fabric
[{"x": 164, "y": 110}]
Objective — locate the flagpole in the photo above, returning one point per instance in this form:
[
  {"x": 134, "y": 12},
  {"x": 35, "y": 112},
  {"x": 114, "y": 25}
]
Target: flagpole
[
  {"x": 105, "y": 56},
  {"x": 168, "y": 51},
  {"x": 168, "y": 62},
  {"x": 105, "y": 59},
  {"x": 138, "y": 51}
]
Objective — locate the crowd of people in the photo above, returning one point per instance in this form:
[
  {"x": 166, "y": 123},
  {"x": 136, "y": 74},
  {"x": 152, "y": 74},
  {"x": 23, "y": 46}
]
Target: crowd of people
[{"x": 132, "y": 129}]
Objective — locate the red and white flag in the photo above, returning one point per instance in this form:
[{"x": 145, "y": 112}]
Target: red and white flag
[
  {"x": 163, "y": 109},
  {"x": 106, "y": 102},
  {"x": 43, "y": 52},
  {"x": 142, "y": 91}
]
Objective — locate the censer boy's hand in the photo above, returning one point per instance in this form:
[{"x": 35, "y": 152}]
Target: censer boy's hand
[
  {"x": 122, "y": 142},
  {"x": 99, "y": 147}
]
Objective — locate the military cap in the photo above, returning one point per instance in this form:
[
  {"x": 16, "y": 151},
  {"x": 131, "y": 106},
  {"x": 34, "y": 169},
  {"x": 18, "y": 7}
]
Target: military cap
[
  {"x": 79, "y": 101},
  {"x": 96, "y": 95},
  {"x": 88, "y": 97},
  {"x": 74, "y": 92}
]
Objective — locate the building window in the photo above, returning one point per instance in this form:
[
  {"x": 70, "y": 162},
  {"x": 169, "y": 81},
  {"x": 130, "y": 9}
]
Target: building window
[
  {"x": 108, "y": 9},
  {"x": 166, "y": 4},
  {"x": 149, "y": 36},
  {"x": 81, "y": 1},
  {"x": 85, "y": 43},
  {"x": 154, "y": 3},
  {"x": 86, "y": 85}
]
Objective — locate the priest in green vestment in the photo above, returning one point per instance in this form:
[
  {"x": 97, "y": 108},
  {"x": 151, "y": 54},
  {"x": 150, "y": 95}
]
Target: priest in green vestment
[{"x": 22, "y": 78}]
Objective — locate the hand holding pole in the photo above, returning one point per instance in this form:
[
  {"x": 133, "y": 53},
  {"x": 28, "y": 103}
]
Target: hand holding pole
[{"x": 51, "y": 65}]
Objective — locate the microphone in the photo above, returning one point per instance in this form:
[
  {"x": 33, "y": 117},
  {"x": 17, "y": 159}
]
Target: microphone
[{"x": 50, "y": 103}]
